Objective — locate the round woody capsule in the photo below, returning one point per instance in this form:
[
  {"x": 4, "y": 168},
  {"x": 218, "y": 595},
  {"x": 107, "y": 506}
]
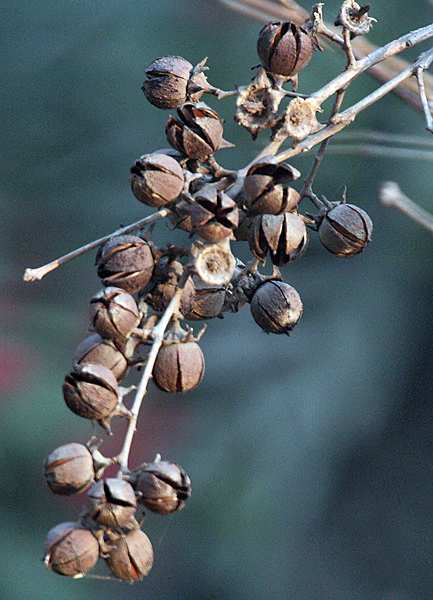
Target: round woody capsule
[
  {"x": 164, "y": 487},
  {"x": 284, "y": 48},
  {"x": 114, "y": 314},
  {"x": 284, "y": 236},
  {"x": 170, "y": 81},
  {"x": 219, "y": 215},
  {"x": 179, "y": 367},
  {"x": 70, "y": 549},
  {"x": 126, "y": 262},
  {"x": 276, "y": 307},
  {"x": 91, "y": 391},
  {"x": 198, "y": 132},
  {"x": 156, "y": 179},
  {"x": 131, "y": 556},
  {"x": 69, "y": 469},
  {"x": 345, "y": 230},
  {"x": 111, "y": 502},
  {"x": 95, "y": 350},
  {"x": 266, "y": 188},
  {"x": 208, "y": 301}
]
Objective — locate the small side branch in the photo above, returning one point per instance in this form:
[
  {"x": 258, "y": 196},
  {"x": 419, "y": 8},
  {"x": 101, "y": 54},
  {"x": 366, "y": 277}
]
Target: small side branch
[
  {"x": 40, "y": 272},
  {"x": 422, "y": 93},
  {"x": 391, "y": 195}
]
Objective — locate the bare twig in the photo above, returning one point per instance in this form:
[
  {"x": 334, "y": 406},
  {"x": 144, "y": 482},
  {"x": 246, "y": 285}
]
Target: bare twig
[
  {"x": 341, "y": 120},
  {"x": 391, "y": 195},
  {"x": 428, "y": 116},
  {"x": 158, "y": 336},
  {"x": 40, "y": 272}
]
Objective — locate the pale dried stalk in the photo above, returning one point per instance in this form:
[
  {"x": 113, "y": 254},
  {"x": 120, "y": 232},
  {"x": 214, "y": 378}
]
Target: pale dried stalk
[
  {"x": 158, "y": 335},
  {"x": 40, "y": 272},
  {"x": 391, "y": 195}
]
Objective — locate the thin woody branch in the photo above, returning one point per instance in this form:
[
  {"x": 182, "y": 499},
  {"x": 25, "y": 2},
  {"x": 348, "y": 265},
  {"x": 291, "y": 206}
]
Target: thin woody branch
[{"x": 390, "y": 194}]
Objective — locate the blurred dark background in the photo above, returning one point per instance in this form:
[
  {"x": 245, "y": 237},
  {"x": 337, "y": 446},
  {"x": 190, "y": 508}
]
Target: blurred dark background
[{"x": 311, "y": 457}]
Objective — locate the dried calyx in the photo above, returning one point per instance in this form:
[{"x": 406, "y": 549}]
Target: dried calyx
[{"x": 354, "y": 18}]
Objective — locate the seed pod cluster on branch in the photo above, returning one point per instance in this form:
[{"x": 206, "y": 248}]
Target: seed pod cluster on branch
[{"x": 138, "y": 318}]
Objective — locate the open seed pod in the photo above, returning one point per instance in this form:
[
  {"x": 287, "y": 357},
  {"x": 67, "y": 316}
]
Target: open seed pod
[
  {"x": 283, "y": 236},
  {"x": 345, "y": 230},
  {"x": 163, "y": 286},
  {"x": 131, "y": 556},
  {"x": 198, "y": 132},
  {"x": 111, "y": 502},
  {"x": 99, "y": 351},
  {"x": 163, "y": 486},
  {"x": 284, "y": 48},
  {"x": 208, "y": 301},
  {"x": 214, "y": 263},
  {"x": 156, "y": 179},
  {"x": 220, "y": 218},
  {"x": 267, "y": 190},
  {"x": 114, "y": 314},
  {"x": 126, "y": 262}
]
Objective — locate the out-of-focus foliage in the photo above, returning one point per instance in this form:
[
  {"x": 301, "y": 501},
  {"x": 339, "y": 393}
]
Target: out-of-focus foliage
[{"x": 310, "y": 456}]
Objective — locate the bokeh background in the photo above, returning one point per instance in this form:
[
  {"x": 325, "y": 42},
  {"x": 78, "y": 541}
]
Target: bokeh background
[{"x": 311, "y": 456}]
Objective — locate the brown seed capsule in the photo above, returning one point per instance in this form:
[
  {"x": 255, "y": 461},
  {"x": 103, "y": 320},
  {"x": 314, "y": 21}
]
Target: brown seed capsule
[
  {"x": 198, "y": 132},
  {"x": 69, "y": 469},
  {"x": 91, "y": 392},
  {"x": 276, "y": 307},
  {"x": 70, "y": 549},
  {"x": 111, "y": 502},
  {"x": 208, "y": 301},
  {"x": 179, "y": 367},
  {"x": 156, "y": 179},
  {"x": 163, "y": 485},
  {"x": 131, "y": 556},
  {"x": 283, "y": 236},
  {"x": 114, "y": 314},
  {"x": 345, "y": 230},
  {"x": 171, "y": 81},
  {"x": 126, "y": 262},
  {"x": 284, "y": 48},
  {"x": 219, "y": 217},
  {"x": 163, "y": 286},
  {"x": 95, "y": 350},
  {"x": 267, "y": 190}
]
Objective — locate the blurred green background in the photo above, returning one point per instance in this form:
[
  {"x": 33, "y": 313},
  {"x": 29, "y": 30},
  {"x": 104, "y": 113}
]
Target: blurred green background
[{"x": 311, "y": 457}]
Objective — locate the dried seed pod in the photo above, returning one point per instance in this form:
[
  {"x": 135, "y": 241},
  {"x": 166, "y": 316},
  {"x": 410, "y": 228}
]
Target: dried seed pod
[
  {"x": 267, "y": 190},
  {"x": 208, "y": 301},
  {"x": 171, "y": 81},
  {"x": 95, "y": 350},
  {"x": 215, "y": 263},
  {"x": 345, "y": 230},
  {"x": 284, "y": 48},
  {"x": 70, "y": 549},
  {"x": 114, "y": 314},
  {"x": 179, "y": 366},
  {"x": 276, "y": 307},
  {"x": 69, "y": 469},
  {"x": 219, "y": 218},
  {"x": 91, "y": 392},
  {"x": 111, "y": 502},
  {"x": 163, "y": 286},
  {"x": 131, "y": 556},
  {"x": 163, "y": 485},
  {"x": 354, "y": 17},
  {"x": 156, "y": 179},
  {"x": 198, "y": 132},
  {"x": 283, "y": 236},
  {"x": 126, "y": 262}
]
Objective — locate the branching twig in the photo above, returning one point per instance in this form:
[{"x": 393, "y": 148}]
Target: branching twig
[
  {"x": 40, "y": 272},
  {"x": 391, "y": 195},
  {"x": 428, "y": 116},
  {"x": 158, "y": 336}
]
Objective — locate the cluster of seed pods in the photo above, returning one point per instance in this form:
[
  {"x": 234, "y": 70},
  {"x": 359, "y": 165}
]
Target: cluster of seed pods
[{"x": 216, "y": 208}]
